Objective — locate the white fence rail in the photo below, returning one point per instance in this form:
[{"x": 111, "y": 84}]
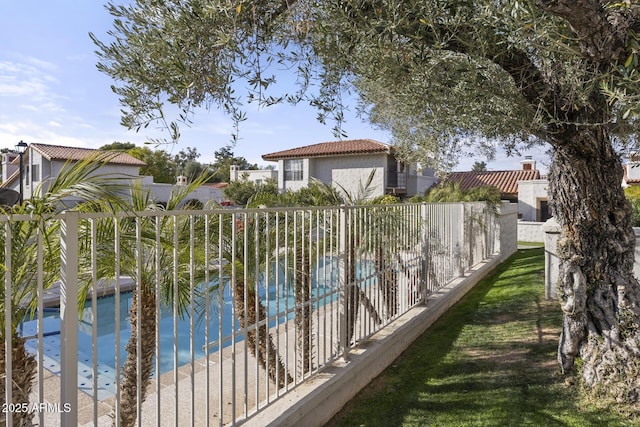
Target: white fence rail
[{"x": 204, "y": 317}]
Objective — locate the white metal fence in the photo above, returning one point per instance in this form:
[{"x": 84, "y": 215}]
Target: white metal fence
[{"x": 204, "y": 317}]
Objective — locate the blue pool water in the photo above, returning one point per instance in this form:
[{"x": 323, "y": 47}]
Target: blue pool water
[{"x": 278, "y": 301}]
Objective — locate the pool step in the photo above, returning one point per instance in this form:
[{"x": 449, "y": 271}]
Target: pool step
[{"x": 51, "y": 358}]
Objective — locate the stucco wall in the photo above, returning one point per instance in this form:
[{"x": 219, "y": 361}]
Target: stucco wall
[
  {"x": 253, "y": 175},
  {"x": 529, "y": 192},
  {"x": 161, "y": 193},
  {"x": 420, "y": 182},
  {"x": 529, "y": 231},
  {"x": 507, "y": 235},
  {"x": 351, "y": 171}
]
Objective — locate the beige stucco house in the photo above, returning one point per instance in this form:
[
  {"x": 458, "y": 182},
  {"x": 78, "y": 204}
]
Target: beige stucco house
[
  {"x": 43, "y": 162},
  {"x": 348, "y": 164}
]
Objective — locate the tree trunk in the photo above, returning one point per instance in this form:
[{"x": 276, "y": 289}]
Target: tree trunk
[
  {"x": 130, "y": 386},
  {"x": 387, "y": 281},
  {"x": 600, "y": 298},
  {"x": 267, "y": 353},
  {"x": 303, "y": 309},
  {"x": 24, "y": 370},
  {"x": 353, "y": 294}
]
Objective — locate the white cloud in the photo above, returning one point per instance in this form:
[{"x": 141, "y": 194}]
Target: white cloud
[{"x": 31, "y": 81}]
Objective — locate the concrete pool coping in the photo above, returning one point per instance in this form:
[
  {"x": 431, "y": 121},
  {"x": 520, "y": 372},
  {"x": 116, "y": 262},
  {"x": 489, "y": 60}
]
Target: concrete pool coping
[{"x": 51, "y": 297}]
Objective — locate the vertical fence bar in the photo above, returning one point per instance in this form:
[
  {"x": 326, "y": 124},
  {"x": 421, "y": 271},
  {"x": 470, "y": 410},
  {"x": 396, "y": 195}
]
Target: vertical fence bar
[
  {"x": 422, "y": 229},
  {"x": 192, "y": 316},
  {"x": 8, "y": 349},
  {"x": 221, "y": 304},
  {"x": 247, "y": 326},
  {"x": 40, "y": 309},
  {"x": 207, "y": 325},
  {"x": 69, "y": 317},
  {"x": 158, "y": 229},
  {"x": 94, "y": 323},
  {"x": 343, "y": 345},
  {"x": 138, "y": 293},
  {"x": 118, "y": 380},
  {"x": 176, "y": 299}
]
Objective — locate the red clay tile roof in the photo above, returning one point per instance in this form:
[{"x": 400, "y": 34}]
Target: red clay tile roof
[
  {"x": 506, "y": 181},
  {"x": 56, "y": 152},
  {"x": 335, "y": 148},
  {"x": 217, "y": 185}
]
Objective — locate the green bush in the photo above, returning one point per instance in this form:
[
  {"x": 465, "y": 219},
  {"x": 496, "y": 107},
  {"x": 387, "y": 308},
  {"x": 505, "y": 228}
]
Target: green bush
[{"x": 633, "y": 195}]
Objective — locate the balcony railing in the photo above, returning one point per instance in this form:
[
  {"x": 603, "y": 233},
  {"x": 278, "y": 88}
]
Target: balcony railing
[
  {"x": 228, "y": 310},
  {"x": 397, "y": 180}
]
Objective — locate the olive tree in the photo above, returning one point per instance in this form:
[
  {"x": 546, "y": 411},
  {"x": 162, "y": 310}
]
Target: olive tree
[{"x": 444, "y": 77}]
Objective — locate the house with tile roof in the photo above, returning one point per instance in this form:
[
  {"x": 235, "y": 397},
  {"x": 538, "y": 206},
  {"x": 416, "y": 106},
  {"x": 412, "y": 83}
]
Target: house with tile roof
[
  {"x": 524, "y": 186},
  {"x": 348, "y": 164},
  {"x": 43, "y": 162}
]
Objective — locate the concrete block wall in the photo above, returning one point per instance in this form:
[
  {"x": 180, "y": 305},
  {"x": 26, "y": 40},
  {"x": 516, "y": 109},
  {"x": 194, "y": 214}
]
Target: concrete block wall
[
  {"x": 529, "y": 231},
  {"x": 507, "y": 233}
]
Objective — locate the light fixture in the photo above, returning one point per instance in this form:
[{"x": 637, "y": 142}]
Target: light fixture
[{"x": 21, "y": 147}]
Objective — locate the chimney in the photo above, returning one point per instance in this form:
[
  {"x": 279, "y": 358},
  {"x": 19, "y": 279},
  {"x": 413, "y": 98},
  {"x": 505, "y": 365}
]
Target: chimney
[{"x": 528, "y": 164}]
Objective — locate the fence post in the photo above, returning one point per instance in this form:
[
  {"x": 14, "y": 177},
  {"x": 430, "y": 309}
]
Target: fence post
[
  {"x": 8, "y": 345},
  {"x": 425, "y": 252},
  {"x": 69, "y": 318},
  {"x": 463, "y": 240},
  {"x": 342, "y": 274}
]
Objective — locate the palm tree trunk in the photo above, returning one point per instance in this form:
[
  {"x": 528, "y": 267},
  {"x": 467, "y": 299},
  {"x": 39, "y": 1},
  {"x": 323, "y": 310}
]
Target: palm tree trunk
[
  {"x": 387, "y": 281},
  {"x": 130, "y": 385},
  {"x": 353, "y": 294},
  {"x": 259, "y": 336},
  {"x": 303, "y": 310},
  {"x": 24, "y": 370}
]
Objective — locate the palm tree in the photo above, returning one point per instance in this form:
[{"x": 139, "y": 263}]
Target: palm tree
[
  {"x": 35, "y": 246},
  {"x": 301, "y": 263},
  {"x": 155, "y": 260},
  {"x": 243, "y": 256}
]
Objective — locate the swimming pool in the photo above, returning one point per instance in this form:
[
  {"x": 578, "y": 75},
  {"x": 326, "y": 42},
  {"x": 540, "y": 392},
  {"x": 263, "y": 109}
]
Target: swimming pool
[{"x": 278, "y": 300}]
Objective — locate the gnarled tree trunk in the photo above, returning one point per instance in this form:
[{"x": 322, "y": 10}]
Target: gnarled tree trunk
[{"x": 600, "y": 298}]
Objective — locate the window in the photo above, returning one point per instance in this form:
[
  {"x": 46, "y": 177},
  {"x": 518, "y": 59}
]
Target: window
[
  {"x": 26, "y": 175},
  {"x": 35, "y": 173},
  {"x": 293, "y": 170}
]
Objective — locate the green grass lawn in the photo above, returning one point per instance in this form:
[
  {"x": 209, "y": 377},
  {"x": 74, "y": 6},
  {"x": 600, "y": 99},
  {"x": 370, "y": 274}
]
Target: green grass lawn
[{"x": 489, "y": 361}]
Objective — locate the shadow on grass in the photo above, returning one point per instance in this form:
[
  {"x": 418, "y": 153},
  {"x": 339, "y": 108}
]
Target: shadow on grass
[{"x": 490, "y": 361}]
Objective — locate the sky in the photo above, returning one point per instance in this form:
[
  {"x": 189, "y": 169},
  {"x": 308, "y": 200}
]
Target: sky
[{"x": 52, "y": 93}]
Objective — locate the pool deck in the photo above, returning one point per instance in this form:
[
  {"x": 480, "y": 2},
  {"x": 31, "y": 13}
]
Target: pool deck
[{"x": 194, "y": 386}]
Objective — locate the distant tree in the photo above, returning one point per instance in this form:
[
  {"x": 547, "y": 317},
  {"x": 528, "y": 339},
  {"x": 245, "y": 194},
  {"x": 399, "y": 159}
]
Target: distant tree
[
  {"x": 479, "y": 166},
  {"x": 118, "y": 146},
  {"x": 193, "y": 169},
  {"x": 184, "y": 157},
  {"x": 240, "y": 192},
  {"x": 224, "y": 159},
  {"x": 160, "y": 165}
]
